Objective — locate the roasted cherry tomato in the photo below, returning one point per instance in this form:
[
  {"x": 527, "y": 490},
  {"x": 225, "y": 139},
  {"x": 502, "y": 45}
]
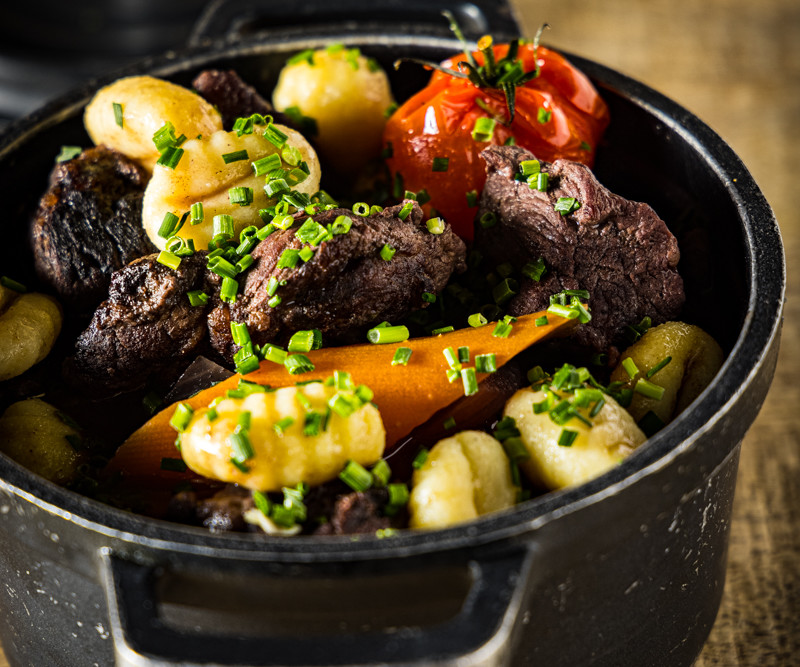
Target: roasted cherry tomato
[{"x": 432, "y": 138}]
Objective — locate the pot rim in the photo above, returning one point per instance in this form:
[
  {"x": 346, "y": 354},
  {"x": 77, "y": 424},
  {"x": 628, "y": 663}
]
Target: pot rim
[{"x": 766, "y": 281}]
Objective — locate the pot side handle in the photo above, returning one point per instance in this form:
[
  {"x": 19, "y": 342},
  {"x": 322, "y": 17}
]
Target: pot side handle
[
  {"x": 232, "y": 20},
  {"x": 479, "y": 633}
]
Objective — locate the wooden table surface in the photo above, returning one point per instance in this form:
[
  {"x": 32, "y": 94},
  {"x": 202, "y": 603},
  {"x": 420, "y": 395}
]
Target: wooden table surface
[{"x": 736, "y": 64}]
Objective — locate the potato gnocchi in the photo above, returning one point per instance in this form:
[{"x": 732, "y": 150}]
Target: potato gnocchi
[
  {"x": 596, "y": 449},
  {"x": 464, "y": 476},
  {"x": 37, "y": 436},
  {"x": 283, "y": 455},
  {"x": 346, "y": 94},
  {"x": 203, "y": 176},
  {"x": 28, "y": 330},
  {"x": 145, "y": 105},
  {"x": 695, "y": 357}
]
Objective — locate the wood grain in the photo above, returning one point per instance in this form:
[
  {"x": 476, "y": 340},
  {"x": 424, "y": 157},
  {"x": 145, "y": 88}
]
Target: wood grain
[{"x": 736, "y": 64}]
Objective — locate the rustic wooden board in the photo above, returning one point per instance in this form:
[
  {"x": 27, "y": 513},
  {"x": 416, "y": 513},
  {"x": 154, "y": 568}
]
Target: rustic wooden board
[{"x": 736, "y": 64}]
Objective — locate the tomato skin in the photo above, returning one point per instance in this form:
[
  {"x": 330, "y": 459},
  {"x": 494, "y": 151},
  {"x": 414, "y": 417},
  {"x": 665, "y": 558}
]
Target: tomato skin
[{"x": 438, "y": 122}]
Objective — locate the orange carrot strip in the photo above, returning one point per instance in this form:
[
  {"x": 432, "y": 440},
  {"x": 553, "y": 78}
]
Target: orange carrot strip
[{"x": 405, "y": 395}]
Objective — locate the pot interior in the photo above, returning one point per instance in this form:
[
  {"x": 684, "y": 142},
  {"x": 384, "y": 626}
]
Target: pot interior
[{"x": 642, "y": 157}]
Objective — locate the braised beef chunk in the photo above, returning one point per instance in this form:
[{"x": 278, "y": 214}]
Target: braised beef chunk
[
  {"x": 232, "y": 97},
  {"x": 346, "y": 286},
  {"x": 89, "y": 224},
  {"x": 146, "y": 326},
  {"x": 357, "y": 512},
  {"x": 618, "y": 250}
]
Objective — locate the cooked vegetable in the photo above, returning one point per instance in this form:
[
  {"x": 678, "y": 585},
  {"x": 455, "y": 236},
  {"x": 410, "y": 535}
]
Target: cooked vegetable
[
  {"x": 263, "y": 442},
  {"x": 147, "y": 104},
  {"x": 29, "y": 327},
  {"x": 674, "y": 362},
  {"x": 406, "y": 395},
  {"x": 210, "y": 169},
  {"x": 37, "y": 436},
  {"x": 456, "y": 116},
  {"x": 462, "y": 478},
  {"x": 571, "y": 452},
  {"x": 346, "y": 95}
]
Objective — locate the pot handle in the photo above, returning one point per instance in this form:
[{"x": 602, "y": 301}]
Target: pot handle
[
  {"x": 478, "y": 632},
  {"x": 232, "y": 20}
]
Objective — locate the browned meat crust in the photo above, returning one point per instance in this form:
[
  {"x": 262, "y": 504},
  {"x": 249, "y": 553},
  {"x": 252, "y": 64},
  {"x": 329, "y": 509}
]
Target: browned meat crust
[
  {"x": 89, "y": 224},
  {"x": 618, "y": 250},
  {"x": 145, "y": 327},
  {"x": 346, "y": 287}
]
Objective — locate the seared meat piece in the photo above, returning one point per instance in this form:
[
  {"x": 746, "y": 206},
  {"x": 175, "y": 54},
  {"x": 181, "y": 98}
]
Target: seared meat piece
[
  {"x": 357, "y": 513},
  {"x": 346, "y": 286},
  {"x": 89, "y": 224},
  {"x": 618, "y": 250},
  {"x": 232, "y": 97},
  {"x": 146, "y": 327}
]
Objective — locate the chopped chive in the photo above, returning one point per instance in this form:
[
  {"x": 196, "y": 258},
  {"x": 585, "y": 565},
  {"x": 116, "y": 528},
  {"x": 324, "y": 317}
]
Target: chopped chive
[
  {"x": 281, "y": 425},
  {"x": 442, "y": 330},
  {"x": 486, "y": 363},
  {"x": 169, "y": 259},
  {"x": 470, "y": 381},
  {"x": 304, "y": 341},
  {"x": 530, "y": 167},
  {"x": 585, "y": 146},
  {"x": 306, "y": 253},
  {"x": 440, "y": 164},
  {"x": 567, "y": 437},
  {"x": 597, "y": 407},
  {"x": 435, "y": 225},
  {"x": 117, "y": 107},
  {"x": 222, "y": 267},
  {"x": 539, "y": 181},
  {"x": 234, "y": 156},
  {"x": 423, "y": 197},
  {"x": 197, "y": 298},
  {"x": 67, "y": 153},
  {"x": 169, "y": 225},
  {"x": 170, "y": 157},
  {"x": 196, "y": 213},
  {"x": 12, "y": 284},
  {"x": 387, "y": 252},
  {"x": 472, "y": 198},
  {"x": 401, "y": 356},
  {"x": 487, "y": 220},
  {"x": 658, "y": 367},
  {"x": 515, "y": 448},
  {"x": 463, "y": 354},
  {"x": 243, "y": 196},
  {"x": 649, "y": 389},
  {"x": 266, "y": 164},
  {"x": 228, "y": 290},
  {"x": 505, "y": 291},
  {"x": 288, "y": 259},
  {"x": 361, "y": 208},
  {"x": 341, "y": 225},
  {"x": 449, "y": 423},
  {"x": 630, "y": 367},
  {"x": 419, "y": 459},
  {"x": 405, "y": 210},
  {"x": 291, "y": 155},
  {"x": 566, "y": 205},
  {"x": 541, "y": 321},
  {"x": 297, "y": 364},
  {"x": 274, "y": 302},
  {"x": 381, "y": 473},
  {"x": 356, "y": 476},
  {"x": 534, "y": 270},
  {"x": 452, "y": 358},
  {"x": 477, "y": 320},
  {"x": 502, "y": 330},
  {"x": 275, "y": 136},
  {"x": 388, "y": 334},
  {"x": 483, "y": 130},
  {"x": 428, "y": 297},
  {"x": 181, "y": 417},
  {"x": 274, "y": 354}
]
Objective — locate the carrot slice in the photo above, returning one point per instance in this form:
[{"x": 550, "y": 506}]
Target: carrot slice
[{"x": 405, "y": 395}]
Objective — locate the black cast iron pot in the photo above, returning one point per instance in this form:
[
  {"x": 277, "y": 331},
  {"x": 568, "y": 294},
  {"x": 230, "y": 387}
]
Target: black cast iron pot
[{"x": 627, "y": 569}]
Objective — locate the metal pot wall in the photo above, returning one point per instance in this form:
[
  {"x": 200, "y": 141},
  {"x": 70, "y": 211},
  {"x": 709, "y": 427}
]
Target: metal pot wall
[{"x": 626, "y": 569}]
